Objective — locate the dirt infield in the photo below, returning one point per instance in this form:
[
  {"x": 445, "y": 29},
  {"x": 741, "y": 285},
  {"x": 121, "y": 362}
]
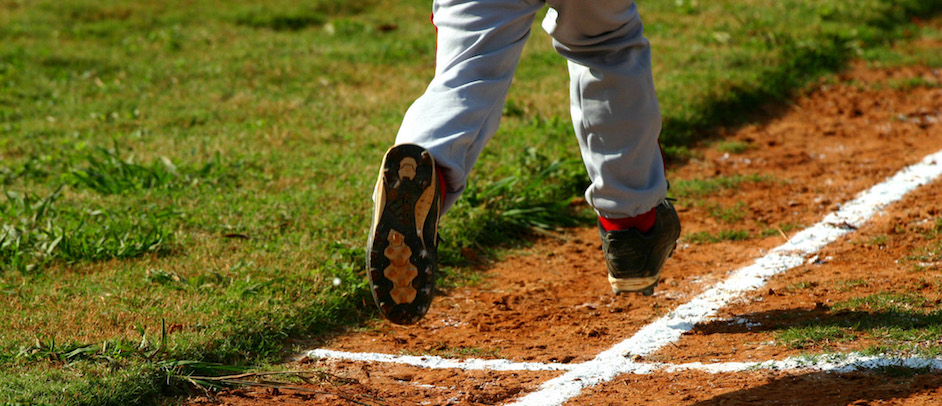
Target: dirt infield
[{"x": 551, "y": 306}]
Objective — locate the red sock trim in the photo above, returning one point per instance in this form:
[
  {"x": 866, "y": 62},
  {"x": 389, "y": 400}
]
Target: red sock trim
[
  {"x": 643, "y": 222},
  {"x": 441, "y": 180}
]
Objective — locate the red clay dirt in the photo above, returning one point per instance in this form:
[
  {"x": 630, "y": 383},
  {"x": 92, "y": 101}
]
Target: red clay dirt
[{"x": 552, "y": 302}]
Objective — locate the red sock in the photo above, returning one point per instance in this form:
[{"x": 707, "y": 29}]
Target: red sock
[
  {"x": 441, "y": 180},
  {"x": 643, "y": 222}
]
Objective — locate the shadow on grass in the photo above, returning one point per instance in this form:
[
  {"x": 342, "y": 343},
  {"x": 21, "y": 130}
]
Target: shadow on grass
[
  {"x": 804, "y": 62},
  {"x": 777, "y": 320}
]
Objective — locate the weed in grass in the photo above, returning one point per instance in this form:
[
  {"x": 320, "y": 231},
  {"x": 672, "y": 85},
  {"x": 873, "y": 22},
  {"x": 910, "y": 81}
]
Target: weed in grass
[
  {"x": 803, "y": 285},
  {"x": 690, "y": 188},
  {"x": 901, "y": 323},
  {"x": 884, "y": 301},
  {"x": 519, "y": 203},
  {"x": 781, "y": 229},
  {"x": 813, "y": 336},
  {"x": 926, "y": 257},
  {"x": 103, "y": 235},
  {"x": 108, "y": 173},
  {"x": 704, "y": 237},
  {"x": 913, "y": 83},
  {"x": 728, "y": 215},
  {"x": 897, "y": 331},
  {"x": 34, "y": 168},
  {"x": 678, "y": 153},
  {"x": 879, "y": 240},
  {"x": 849, "y": 284},
  {"x": 732, "y": 147},
  {"x": 38, "y": 232},
  {"x": 27, "y": 240}
]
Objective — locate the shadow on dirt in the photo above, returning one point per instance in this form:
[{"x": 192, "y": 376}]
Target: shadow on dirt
[{"x": 827, "y": 389}]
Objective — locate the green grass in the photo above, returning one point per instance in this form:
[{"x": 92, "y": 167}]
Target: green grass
[
  {"x": 729, "y": 215},
  {"x": 900, "y": 324},
  {"x": 38, "y": 232},
  {"x": 812, "y": 336},
  {"x": 208, "y": 165},
  {"x": 732, "y": 147},
  {"x": 782, "y": 228},
  {"x": 803, "y": 285},
  {"x": 696, "y": 188},
  {"x": 704, "y": 237},
  {"x": 850, "y": 284}
]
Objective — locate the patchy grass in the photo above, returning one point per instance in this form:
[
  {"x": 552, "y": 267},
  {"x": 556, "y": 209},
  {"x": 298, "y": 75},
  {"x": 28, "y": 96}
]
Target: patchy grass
[
  {"x": 902, "y": 324},
  {"x": 729, "y": 215},
  {"x": 705, "y": 237},
  {"x": 885, "y": 301},
  {"x": 732, "y": 146},
  {"x": 207, "y": 166},
  {"x": 780, "y": 229},
  {"x": 803, "y": 285},
  {"x": 850, "y": 284},
  {"x": 38, "y": 232},
  {"x": 694, "y": 188},
  {"x": 813, "y": 336}
]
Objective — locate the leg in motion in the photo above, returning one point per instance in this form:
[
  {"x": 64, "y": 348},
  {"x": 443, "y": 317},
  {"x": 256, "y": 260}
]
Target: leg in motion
[
  {"x": 443, "y": 133},
  {"x": 617, "y": 122}
]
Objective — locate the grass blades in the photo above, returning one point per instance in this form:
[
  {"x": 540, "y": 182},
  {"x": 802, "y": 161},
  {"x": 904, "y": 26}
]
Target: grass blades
[
  {"x": 36, "y": 232},
  {"x": 107, "y": 173},
  {"x": 218, "y": 158},
  {"x": 901, "y": 324}
]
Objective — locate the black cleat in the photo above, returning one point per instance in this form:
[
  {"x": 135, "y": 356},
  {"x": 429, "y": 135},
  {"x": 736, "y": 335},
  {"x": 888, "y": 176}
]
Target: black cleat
[
  {"x": 635, "y": 259},
  {"x": 402, "y": 249}
]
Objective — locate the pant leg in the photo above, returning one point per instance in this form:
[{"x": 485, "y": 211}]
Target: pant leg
[
  {"x": 613, "y": 104},
  {"x": 479, "y": 45}
]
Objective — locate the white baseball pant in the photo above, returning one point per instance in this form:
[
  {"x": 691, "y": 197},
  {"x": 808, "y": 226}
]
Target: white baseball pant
[{"x": 613, "y": 104}]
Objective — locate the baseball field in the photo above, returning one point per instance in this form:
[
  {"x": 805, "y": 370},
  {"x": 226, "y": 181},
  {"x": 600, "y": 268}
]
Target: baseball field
[{"x": 186, "y": 198}]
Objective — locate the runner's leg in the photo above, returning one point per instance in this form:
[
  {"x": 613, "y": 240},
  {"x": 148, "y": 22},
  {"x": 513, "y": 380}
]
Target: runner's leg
[
  {"x": 479, "y": 45},
  {"x": 614, "y": 107}
]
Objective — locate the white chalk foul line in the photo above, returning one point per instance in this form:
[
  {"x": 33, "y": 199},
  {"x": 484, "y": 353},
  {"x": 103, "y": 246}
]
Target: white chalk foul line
[
  {"x": 827, "y": 362},
  {"x": 432, "y": 362},
  {"x": 653, "y": 337},
  {"x": 669, "y": 328}
]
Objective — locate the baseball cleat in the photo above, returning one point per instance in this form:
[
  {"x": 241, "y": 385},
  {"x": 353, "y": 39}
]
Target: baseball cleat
[
  {"x": 402, "y": 248},
  {"x": 635, "y": 259}
]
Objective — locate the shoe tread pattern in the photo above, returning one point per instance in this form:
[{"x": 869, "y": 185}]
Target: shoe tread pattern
[{"x": 402, "y": 258}]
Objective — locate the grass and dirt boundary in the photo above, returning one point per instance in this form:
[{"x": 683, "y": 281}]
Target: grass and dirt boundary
[{"x": 186, "y": 186}]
